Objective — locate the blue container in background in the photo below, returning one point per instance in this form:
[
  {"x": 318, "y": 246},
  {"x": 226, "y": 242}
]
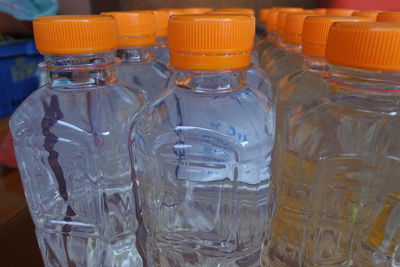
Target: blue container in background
[{"x": 19, "y": 75}]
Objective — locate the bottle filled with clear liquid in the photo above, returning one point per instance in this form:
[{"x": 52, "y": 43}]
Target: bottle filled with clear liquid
[
  {"x": 70, "y": 138},
  {"x": 202, "y": 150},
  {"x": 338, "y": 194},
  {"x": 305, "y": 84},
  {"x": 161, "y": 52},
  {"x": 137, "y": 37}
]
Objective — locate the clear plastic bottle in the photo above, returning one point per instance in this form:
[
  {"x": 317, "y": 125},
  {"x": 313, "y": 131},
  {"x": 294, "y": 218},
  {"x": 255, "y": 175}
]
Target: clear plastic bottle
[
  {"x": 308, "y": 83},
  {"x": 161, "y": 52},
  {"x": 136, "y": 30},
  {"x": 291, "y": 60},
  {"x": 202, "y": 150},
  {"x": 276, "y": 25},
  {"x": 70, "y": 138},
  {"x": 338, "y": 197}
]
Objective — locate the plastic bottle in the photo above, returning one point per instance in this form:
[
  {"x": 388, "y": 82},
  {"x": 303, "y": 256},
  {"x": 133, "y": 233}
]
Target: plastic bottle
[
  {"x": 274, "y": 53},
  {"x": 274, "y": 40},
  {"x": 392, "y": 17},
  {"x": 291, "y": 60},
  {"x": 136, "y": 32},
  {"x": 202, "y": 150},
  {"x": 339, "y": 193},
  {"x": 70, "y": 138},
  {"x": 161, "y": 52}
]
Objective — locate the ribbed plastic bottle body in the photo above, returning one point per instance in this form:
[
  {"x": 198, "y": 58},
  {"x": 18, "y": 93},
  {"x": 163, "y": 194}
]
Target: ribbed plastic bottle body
[
  {"x": 258, "y": 79},
  {"x": 140, "y": 71},
  {"x": 298, "y": 88},
  {"x": 338, "y": 194},
  {"x": 272, "y": 53},
  {"x": 70, "y": 138},
  {"x": 284, "y": 64},
  {"x": 202, "y": 157},
  {"x": 265, "y": 43},
  {"x": 161, "y": 51}
]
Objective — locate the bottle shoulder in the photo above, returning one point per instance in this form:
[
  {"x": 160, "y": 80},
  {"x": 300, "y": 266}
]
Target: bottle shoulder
[
  {"x": 81, "y": 108},
  {"x": 237, "y": 114}
]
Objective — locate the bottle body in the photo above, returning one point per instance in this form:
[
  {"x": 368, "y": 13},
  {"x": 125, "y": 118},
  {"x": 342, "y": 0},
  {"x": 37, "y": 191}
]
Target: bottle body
[
  {"x": 202, "y": 160},
  {"x": 70, "y": 139},
  {"x": 284, "y": 65},
  {"x": 139, "y": 70},
  {"x": 338, "y": 188}
]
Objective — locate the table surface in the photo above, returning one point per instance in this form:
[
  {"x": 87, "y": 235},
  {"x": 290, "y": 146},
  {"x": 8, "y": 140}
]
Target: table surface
[{"x": 18, "y": 246}]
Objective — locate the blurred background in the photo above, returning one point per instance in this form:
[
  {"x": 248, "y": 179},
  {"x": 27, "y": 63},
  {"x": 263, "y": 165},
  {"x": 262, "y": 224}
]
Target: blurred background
[{"x": 19, "y": 77}]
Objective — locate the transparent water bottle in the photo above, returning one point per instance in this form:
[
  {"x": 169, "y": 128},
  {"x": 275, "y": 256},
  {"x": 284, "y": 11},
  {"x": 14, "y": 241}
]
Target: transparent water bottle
[
  {"x": 338, "y": 196},
  {"x": 70, "y": 138},
  {"x": 270, "y": 38},
  {"x": 161, "y": 52},
  {"x": 308, "y": 83},
  {"x": 136, "y": 30},
  {"x": 276, "y": 26},
  {"x": 291, "y": 60},
  {"x": 202, "y": 150}
]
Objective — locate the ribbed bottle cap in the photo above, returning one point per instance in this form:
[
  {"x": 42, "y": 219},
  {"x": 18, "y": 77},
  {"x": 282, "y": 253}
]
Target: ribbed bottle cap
[
  {"x": 173, "y": 11},
  {"x": 294, "y": 26},
  {"x": 161, "y": 22},
  {"x": 197, "y": 10},
  {"x": 366, "y": 14},
  {"x": 264, "y": 15},
  {"x": 340, "y": 11},
  {"x": 75, "y": 34},
  {"x": 320, "y": 11},
  {"x": 369, "y": 46},
  {"x": 282, "y": 21},
  {"x": 272, "y": 24},
  {"x": 135, "y": 28},
  {"x": 245, "y": 11},
  {"x": 315, "y": 32},
  {"x": 392, "y": 17},
  {"x": 210, "y": 41}
]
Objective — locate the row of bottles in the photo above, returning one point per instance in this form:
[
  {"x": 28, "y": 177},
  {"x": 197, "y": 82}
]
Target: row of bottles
[
  {"x": 335, "y": 81},
  {"x": 177, "y": 137}
]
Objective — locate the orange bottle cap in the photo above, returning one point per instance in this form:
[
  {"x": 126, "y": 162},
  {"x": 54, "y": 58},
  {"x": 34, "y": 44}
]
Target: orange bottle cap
[
  {"x": 80, "y": 34},
  {"x": 264, "y": 15},
  {"x": 210, "y": 41},
  {"x": 294, "y": 26},
  {"x": 282, "y": 21},
  {"x": 393, "y": 17},
  {"x": 245, "y": 11},
  {"x": 315, "y": 32},
  {"x": 366, "y": 14},
  {"x": 197, "y": 10},
  {"x": 173, "y": 11},
  {"x": 135, "y": 28},
  {"x": 369, "y": 46},
  {"x": 272, "y": 22},
  {"x": 340, "y": 12},
  {"x": 162, "y": 17},
  {"x": 321, "y": 11}
]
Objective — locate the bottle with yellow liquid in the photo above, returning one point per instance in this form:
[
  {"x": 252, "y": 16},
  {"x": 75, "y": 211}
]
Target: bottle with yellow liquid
[{"x": 338, "y": 193}]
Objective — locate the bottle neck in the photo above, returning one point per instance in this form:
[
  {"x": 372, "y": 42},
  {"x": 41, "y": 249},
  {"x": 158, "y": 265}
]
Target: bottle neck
[
  {"x": 358, "y": 81},
  {"x": 317, "y": 65},
  {"x": 272, "y": 37},
  {"x": 136, "y": 54},
  {"x": 292, "y": 48},
  {"x": 78, "y": 71},
  {"x": 209, "y": 81}
]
